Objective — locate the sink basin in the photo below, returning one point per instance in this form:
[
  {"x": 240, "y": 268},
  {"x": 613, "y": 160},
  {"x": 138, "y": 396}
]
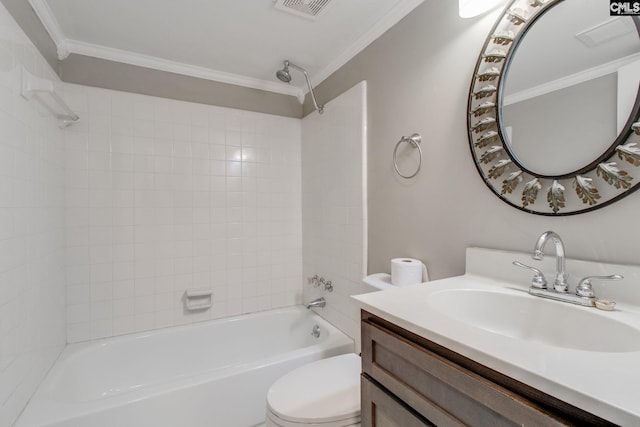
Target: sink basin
[{"x": 519, "y": 315}]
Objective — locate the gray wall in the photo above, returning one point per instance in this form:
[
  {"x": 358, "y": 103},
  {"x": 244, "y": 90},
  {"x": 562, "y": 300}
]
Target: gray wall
[
  {"x": 418, "y": 76},
  {"x": 31, "y": 25},
  {"x": 106, "y": 74}
]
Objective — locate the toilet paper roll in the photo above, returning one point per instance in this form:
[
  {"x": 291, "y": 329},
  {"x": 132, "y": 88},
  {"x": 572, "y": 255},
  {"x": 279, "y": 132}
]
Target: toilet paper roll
[{"x": 408, "y": 271}]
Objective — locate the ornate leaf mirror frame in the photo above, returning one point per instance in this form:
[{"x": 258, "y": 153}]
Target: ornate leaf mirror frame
[{"x": 611, "y": 176}]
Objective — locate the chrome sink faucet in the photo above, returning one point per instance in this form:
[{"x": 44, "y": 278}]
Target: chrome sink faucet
[
  {"x": 583, "y": 295},
  {"x": 560, "y": 284}
]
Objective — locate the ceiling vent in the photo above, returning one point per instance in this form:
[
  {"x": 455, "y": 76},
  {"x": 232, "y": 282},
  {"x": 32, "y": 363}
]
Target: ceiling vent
[
  {"x": 606, "y": 31},
  {"x": 310, "y": 9}
]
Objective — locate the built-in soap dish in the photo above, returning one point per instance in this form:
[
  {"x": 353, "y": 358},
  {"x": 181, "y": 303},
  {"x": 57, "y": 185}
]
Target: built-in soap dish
[
  {"x": 605, "y": 305},
  {"x": 198, "y": 299}
]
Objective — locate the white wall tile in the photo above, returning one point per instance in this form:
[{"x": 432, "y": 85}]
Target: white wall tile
[
  {"x": 334, "y": 242},
  {"x": 32, "y": 217},
  {"x": 166, "y": 196}
]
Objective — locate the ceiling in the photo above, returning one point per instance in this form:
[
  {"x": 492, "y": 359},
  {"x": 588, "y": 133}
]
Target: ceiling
[{"x": 241, "y": 42}]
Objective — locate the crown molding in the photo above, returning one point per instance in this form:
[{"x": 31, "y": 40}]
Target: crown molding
[
  {"x": 570, "y": 80},
  {"x": 398, "y": 12}
]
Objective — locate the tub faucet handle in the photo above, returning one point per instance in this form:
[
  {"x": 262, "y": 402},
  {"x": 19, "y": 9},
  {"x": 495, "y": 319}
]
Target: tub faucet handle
[{"x": 328, "y": 286}]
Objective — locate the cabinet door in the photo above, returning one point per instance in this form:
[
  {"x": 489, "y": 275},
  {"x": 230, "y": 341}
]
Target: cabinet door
[
  {"x": 440, "y": 390},
  {"x": 379, "y": 409}
]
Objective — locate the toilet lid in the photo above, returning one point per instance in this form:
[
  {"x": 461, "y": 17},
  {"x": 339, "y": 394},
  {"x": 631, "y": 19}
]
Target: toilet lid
[{"x": 322, "y": 391}]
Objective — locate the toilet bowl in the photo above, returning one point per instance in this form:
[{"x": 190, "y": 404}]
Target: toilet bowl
[{"x": 323, "y": 393}]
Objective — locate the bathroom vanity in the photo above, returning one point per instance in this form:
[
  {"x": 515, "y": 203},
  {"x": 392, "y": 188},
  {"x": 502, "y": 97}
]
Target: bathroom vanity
[
  {"x": 408, "y": 380},
  {"x": 479, "y": 350}
]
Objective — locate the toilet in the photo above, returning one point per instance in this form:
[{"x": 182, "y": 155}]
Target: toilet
[{"x": 322, "y": 393}]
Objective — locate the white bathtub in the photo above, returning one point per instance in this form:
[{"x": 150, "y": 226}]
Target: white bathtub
[{"x": 213, "y": 374}]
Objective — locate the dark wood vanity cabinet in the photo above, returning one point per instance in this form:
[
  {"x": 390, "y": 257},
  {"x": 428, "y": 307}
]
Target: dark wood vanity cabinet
[{"x": 409, "y": 381}]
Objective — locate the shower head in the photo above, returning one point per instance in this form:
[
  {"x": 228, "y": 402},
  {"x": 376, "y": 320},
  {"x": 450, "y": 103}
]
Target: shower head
[{"x": 285, "y": 76}]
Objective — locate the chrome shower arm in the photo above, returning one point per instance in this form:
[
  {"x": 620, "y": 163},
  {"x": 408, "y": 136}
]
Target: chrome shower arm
[
  {"x": 288, "y": 64},
  {"x": 320, "y": 108}
]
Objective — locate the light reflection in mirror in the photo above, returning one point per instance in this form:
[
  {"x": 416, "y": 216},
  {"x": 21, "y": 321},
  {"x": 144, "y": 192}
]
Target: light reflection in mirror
[{"x": 560, "y": 109}]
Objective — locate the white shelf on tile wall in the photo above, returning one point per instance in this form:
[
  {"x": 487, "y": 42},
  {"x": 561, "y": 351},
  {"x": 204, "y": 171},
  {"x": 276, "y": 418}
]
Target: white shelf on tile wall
[{"x": 43, "y": 91}]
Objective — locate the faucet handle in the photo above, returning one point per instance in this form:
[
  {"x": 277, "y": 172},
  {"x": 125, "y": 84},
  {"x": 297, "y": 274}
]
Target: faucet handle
[
  {"x": 538, "y": 281},
  {"x": 584, "y": 288}
]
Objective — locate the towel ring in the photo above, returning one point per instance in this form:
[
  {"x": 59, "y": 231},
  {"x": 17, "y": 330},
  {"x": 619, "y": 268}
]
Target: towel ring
[{"x": 414, "y": 140}]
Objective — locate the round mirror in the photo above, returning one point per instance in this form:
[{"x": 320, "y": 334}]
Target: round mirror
[
  {"x": 553, "y": 111},
  {"x": 563, "y": 77}
]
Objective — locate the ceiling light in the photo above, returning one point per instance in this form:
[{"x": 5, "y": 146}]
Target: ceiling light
[{"x": 471, "y": 8}]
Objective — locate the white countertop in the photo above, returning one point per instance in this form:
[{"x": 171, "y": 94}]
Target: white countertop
[{"x": 603, "y": 383}]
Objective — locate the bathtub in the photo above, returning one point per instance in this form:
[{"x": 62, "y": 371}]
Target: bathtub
[{"x": 213, "y": 374}]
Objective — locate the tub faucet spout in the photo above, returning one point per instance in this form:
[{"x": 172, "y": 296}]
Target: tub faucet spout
[{"x": 317, "y": 303}]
